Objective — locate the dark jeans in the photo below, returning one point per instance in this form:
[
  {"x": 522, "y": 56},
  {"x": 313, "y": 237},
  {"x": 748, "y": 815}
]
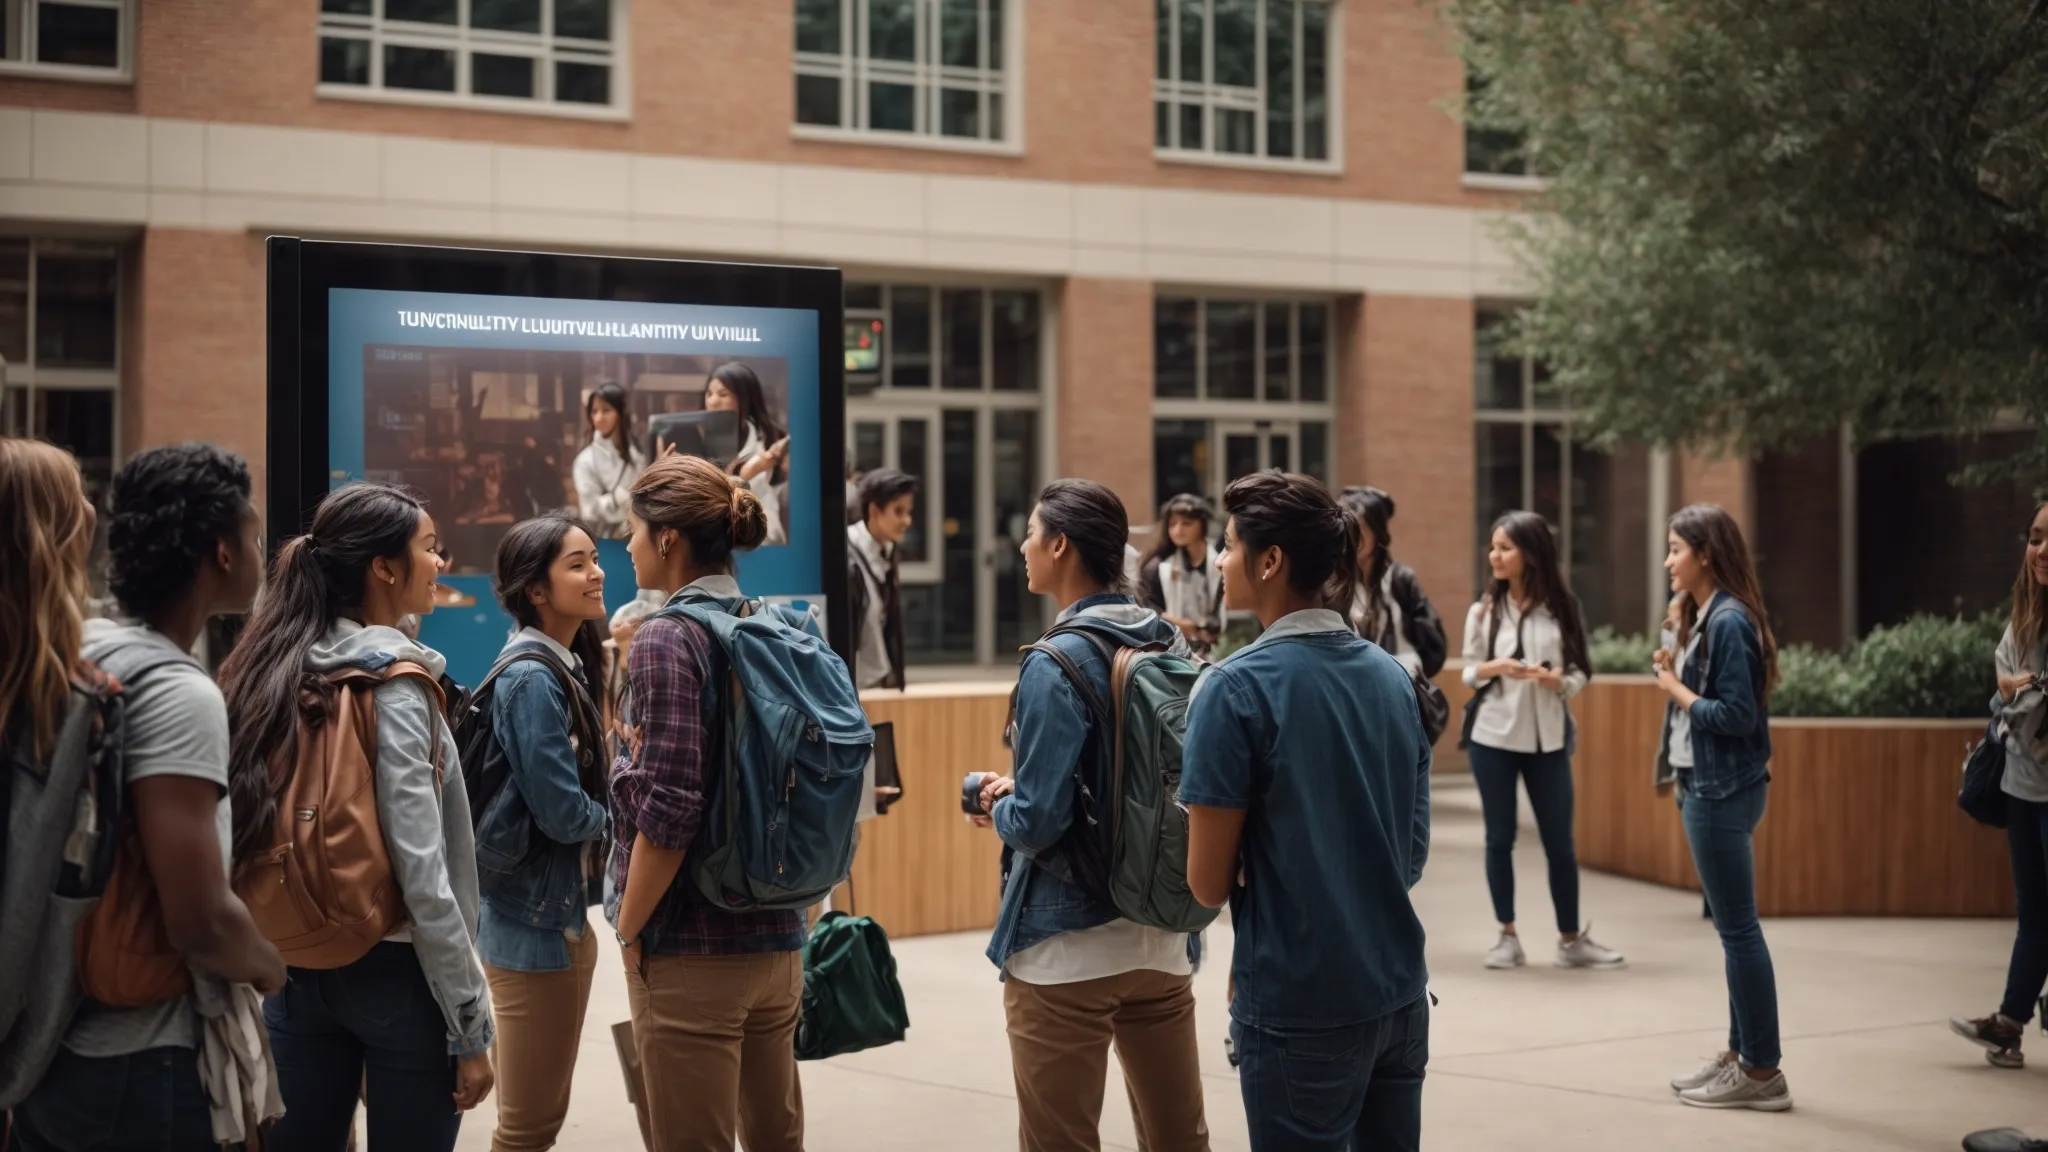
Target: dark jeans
[
  {"x": 1723, "y": 838},
  {"x": 1356, "y": 1089},
  {"x": 1548, "y": 776},
  {"x": 148, "y": 1102},
  {"x": 2026, "y": 830},
  {"x": 372, "y": 1028}
]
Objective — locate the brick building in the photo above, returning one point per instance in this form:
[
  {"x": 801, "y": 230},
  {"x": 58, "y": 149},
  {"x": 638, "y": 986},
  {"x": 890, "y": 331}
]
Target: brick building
[{"x": 1154, "y": 243}]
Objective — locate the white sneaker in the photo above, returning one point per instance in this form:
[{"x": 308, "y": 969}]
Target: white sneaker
[
  {"x": 1507, "y": 953},
  {"x": 1705, "y": 1076},
  {"x": 1734, "y": 1088},
  {"x": 1585, "y": 953}
]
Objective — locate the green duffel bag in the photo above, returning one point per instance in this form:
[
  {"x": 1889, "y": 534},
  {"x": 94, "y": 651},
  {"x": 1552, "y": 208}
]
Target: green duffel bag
[{"x": 851, "y": 999}]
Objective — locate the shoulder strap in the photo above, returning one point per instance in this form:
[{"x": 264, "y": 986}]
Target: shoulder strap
[
  {"x": 1093, "y": 699},
  {"x": 372, "y": 679}
]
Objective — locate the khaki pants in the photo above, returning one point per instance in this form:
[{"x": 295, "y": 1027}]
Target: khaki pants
[
  {"x": 540, "y": 1029},
  {"x": 1060, "y": 1035},
  {"x": 717, "y": 1040}
]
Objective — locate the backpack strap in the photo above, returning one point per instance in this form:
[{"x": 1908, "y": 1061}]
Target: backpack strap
[{"x": 371, "y": 679}]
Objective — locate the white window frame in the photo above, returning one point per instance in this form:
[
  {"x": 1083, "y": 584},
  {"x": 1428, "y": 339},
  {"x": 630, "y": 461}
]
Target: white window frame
[
  {"x": 1227, "y": 416},
  {"x": 31, "y": 381},
  {"x": 854, "y": 70},
  {"x": 21, "y": 23},
  {"x": 1212, "y": 97},
  {"x": 543, "y": 47}
]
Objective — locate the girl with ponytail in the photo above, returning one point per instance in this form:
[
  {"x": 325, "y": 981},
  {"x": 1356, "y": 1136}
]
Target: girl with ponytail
[
  {"x": 333, "y": 601},
  {"x": 716, "y": 995}
]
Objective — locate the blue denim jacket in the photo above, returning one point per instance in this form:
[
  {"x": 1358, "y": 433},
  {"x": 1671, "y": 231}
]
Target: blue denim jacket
[
  {"x": 1731, "y": 726},
  {"x": 1054, "y": 730},
  {"x": 533, "y": 841}
]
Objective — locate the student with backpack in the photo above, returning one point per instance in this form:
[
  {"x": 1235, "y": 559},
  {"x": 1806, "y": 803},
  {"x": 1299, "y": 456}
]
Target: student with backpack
[
  {"x": 1307, "y": 785},
  {"x": 378, "y": 918},
  {"x": 1721, "y": 687},
  {"x": 724, "y": 835},
  {"x": 1388, "y": 606},
  {"x": 888, "y": 500},
  {"x": 1181, "y": 580},
  {"x": 1525, "y": 658},
  {"x": 2021, "y": 709},
  {"x": 1079, "y": 973},
  {"x": 184, "y": 545},
  {"x": 533, "y": 746}
]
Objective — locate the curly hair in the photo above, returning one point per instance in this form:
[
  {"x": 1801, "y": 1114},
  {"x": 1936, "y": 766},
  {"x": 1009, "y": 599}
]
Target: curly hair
[
  {"x": 169, "y": 508},
  {"x": 44, "y": 540}
]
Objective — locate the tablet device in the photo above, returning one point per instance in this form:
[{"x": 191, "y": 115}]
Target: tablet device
[{"x": 715, "y": 436}]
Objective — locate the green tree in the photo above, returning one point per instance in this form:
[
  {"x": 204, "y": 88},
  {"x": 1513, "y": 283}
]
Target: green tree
[{"x": 1764, "y": 218}]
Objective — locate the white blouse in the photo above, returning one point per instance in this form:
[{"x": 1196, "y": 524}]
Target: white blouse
[
  {"x": 1519, "y": 715},
  {"x": 764, "y": 487}
]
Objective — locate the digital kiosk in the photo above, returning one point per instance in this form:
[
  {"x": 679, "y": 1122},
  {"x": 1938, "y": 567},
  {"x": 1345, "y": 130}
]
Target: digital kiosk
[{"x": 465, "y": 375}]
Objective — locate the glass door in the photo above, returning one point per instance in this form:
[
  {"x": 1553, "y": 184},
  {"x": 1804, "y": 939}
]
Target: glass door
[{"x": 1249, "y": 447}]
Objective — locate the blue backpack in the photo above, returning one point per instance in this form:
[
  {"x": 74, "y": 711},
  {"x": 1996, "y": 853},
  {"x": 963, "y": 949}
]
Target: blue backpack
[{"x": 778, "y": 827}]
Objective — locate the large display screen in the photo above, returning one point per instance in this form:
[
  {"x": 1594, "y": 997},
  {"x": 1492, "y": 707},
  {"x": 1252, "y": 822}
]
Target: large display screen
[{"x": 483, "y": 404}]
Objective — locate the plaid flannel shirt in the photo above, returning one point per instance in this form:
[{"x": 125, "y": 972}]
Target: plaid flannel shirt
[{"x": 660, "y": 793}]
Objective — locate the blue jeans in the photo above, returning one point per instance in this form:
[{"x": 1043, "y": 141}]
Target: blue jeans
[
  {"x": 2026, "y": 831},
  {"x": 1548, "y": 776},
  {"x": 1356, "y": 1089},
  {"x": 371, "y": 1029},
  {"x": 148, "y": 1102},
  {"x": 1723, "y": 838}
]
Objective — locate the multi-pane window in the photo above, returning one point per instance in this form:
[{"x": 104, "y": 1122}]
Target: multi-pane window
[
  {"x": 1530, "y": 457},
  {"x": 564, "y": 54},
  {"x": 1244, "y": 78},
  {"x": 1241, "y": 385},
  {"x": 86, "y": 38},
  {"x": 1491, "y": 151},
  {"x": 924, "y": 338},
  {"x": 931, "y": 68},
  {"x": 60, "y": 309}
]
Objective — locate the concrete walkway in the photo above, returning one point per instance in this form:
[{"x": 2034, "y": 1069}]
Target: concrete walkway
[{"x": 1533, "y": 1059}]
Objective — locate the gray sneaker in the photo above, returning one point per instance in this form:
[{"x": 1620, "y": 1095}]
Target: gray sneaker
[
  {"x": 1507, "y": 953},
  {"x": 1704, "y": 1076},
  {"x": 1585, "y": 952},
  {"x": 1734, "y": 1088}
]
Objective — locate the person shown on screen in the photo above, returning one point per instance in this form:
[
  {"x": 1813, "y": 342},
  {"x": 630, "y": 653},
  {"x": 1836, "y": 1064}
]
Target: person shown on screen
[
  {"x": 763, "y": 462},
  {"x": 606, "y": 469}
]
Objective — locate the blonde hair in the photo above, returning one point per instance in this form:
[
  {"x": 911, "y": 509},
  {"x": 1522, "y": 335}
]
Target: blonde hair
[
  {"x": 717, "y": 514},
  {"x": 44, "y": 544}
]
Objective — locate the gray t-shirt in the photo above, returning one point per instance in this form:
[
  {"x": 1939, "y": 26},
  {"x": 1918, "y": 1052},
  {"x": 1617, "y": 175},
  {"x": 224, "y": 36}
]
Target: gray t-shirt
[
  {"x": 2025, "y": 779},
  {"x": 177, "y": 725}
]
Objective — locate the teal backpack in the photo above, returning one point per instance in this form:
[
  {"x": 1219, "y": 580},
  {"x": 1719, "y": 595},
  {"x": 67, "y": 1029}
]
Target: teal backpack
[
  {"x": 851, "y": 1001},
  {"x": 784, "y": 789},
  {"x": 1129, "y": 840}
]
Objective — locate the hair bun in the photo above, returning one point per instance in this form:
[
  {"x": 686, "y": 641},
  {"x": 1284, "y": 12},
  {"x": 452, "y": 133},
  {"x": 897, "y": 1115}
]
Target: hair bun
[{"x": 749, "y": 519}]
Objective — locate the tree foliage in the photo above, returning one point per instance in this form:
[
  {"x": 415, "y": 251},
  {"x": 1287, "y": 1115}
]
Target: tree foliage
[{"x": 1765, "y": 218}]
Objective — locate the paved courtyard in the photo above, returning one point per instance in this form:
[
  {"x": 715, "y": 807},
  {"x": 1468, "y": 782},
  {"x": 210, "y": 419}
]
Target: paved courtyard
[{"x": 1537, "y": 1058}]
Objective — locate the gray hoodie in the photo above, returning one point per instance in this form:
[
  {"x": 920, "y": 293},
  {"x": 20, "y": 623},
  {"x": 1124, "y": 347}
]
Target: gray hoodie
[{"x": 426, "y": 826}]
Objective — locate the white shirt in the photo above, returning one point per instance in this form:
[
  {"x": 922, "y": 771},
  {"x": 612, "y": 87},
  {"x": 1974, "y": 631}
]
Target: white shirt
[
  {"x": 604, "y": 485},
  {"x": 763, "y": 486},
  {"x": 1193, "y": 593},
  {"x": 1110, "y": 949},
  {"x": 1679, "y": 751},
  {"x": 871, "y": 659},
  {"x": 1519, "y": 715},
  {"x": 1403, "y": 650},
  {"x": 569, "y": 659}
]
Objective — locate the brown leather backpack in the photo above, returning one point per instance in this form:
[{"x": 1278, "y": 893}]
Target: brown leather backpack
[{"x": 324, "y": 892}]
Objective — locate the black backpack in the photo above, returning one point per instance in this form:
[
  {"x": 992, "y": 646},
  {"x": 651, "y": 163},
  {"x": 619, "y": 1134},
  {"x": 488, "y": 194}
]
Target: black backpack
[{"x": 485, "y": 768}]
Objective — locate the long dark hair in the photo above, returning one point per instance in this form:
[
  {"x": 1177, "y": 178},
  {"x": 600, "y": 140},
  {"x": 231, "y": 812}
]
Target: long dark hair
[
  {"x": 2029, "y": 598},
  {"x": 315, "y": 579},
  {"x": 1188, "y": 506},
  {"x": 1094, "y": 521},
  {"x": 1543, "y": 583},
  {"x": 740, "y": 380},
  {"x": 1716, "y": 539},
  {"x": 622, "y": 432},
  {"x": 525, "y": 554},
  {"x": 1294, "y": 513},
  {"x": 1373, "y": 509}
]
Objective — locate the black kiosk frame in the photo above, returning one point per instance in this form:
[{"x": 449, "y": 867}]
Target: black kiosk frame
[{"x": 302, "y": 272}]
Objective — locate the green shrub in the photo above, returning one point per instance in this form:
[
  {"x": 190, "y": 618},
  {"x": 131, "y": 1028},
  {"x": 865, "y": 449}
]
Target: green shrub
[{"x": 1928, "y": 666}]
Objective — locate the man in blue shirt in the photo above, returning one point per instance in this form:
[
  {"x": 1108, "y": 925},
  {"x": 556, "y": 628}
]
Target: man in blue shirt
[{"x": 1306, "y": 776}]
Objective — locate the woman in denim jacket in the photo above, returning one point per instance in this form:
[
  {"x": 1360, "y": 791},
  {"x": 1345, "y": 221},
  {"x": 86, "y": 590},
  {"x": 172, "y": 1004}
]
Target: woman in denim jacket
[
  {"x": 1721, "y": 687},
  {"x": 1077, "y": 975},
  {"x": 539, "y": 839}
]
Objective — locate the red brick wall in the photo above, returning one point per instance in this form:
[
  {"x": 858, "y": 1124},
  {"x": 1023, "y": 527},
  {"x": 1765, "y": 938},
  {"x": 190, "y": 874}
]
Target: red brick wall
[
  {"x": 1798, "y": 521},
  {"x": 713, "y": 78},
  {"x": 199, "y": 343},
  {"x": 1104, "y": 405},
  {"x": 1405, "y": 424},
  {"x": 1704, "y": 479}
]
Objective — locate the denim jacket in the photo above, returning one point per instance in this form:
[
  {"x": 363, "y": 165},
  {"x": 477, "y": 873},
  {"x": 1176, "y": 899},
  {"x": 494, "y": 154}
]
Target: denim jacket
[
  {"x": 1731, "y": 727},
  {"x": 535, "y": 837},
  {"x": 1053, "y": 731}
]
